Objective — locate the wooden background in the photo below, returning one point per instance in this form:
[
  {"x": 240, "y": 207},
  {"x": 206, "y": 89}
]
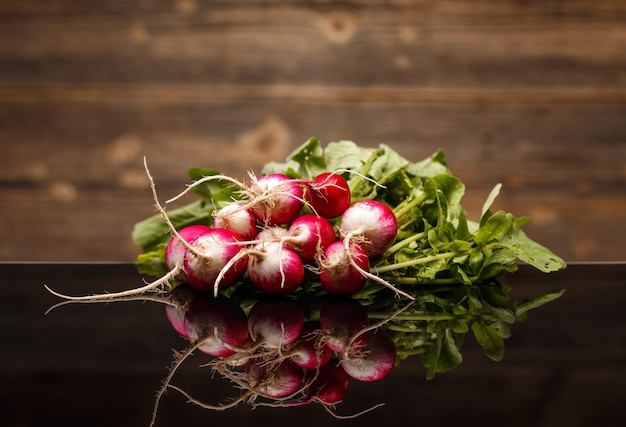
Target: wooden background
[{"x": 531, "y": 94}]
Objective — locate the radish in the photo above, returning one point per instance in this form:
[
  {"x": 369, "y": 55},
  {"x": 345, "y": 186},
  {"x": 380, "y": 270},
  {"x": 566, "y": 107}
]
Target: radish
[
  {"x": 340, "y": 319},
  {"x": 212, "y": 251},
  {"x": 309, "y": 351},
  {"x": 328, "y": 194},
  {"x": 309, "y": 235},
  {"x": 328, "y": 384},
  {"x": 175, "y": 250},
  {"x": 234, "y": 216},
  {"x": 275, "y": 198},
  {"x": 342, "y": 268},
  {"x": 219, "y": 323},
  {"x": 275, "y": 233},
  {"x": 274, "y": 380},
  {"x": 274, "y": 323},
  {"x": 373, "y": 223},
  {"x": 274, "y": 268},
  {"x": 370, "y": 356}
]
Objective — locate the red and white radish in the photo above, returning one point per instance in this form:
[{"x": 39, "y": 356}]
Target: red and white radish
[
  {"x": 272, "y": 233},
  {"x": 371, "y": 222},
  {"x": 234, "y": 216},
  {"x": 328, "y": 194},
  {"x": 274, "y": 268},
  {"x": 310, "y": 235},
  {"x": 275, "y": 198},
  {"x": 373, "y": 225},
  {"x": 212, "y": 252},
  {"x": 175, "y": 250},
  {"x": 342, "y": 268}
]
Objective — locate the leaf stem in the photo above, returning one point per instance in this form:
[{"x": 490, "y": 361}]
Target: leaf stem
[
  {"x": 405, "y": 242},
  {"x": 416, "y": 261},
  {"x": 417, "y": 281},
  {"x": 403, "y": 208},
  {"x": 414, "y": 317}
]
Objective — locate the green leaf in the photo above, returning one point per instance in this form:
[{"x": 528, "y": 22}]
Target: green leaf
[
  {"x": 496, "y": 226},
  {"x": 387, "y": 163},
  {"x": 217, "y": 190},
  {"x": 151, "y": 231},
  {"x": 489, "y": 339},
  {"x": 153, "y": 263},
  {"x": 306, "y": 161},
  {"x": 429, "y": 167},
  {"x": 496, "y": 261},
  {"x": 490, "y": 199},
  {"x": 310, "y": 158},
  {"x": 346, "y": 155},
  {"x": 532, "y": 252}
]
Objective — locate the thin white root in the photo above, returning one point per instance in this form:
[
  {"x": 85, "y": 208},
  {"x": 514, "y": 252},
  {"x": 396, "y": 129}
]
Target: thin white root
[
  {"x": 369, "y": 275},
  {"x": 99, "y": 297},
  {"x": 360, "y": 175},
  {"x": 153, "y": 298},
  {"x": 166, "y": 218},
  {"x": 231, "y": 262},
  {"x": 202, "y": 181}
]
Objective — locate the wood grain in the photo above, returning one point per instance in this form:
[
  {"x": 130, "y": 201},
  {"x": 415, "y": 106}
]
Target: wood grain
[{"x": 530, "y": 94}]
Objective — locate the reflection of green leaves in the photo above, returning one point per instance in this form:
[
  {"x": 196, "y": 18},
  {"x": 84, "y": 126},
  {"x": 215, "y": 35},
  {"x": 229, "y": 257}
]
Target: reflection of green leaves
[
  {"x": 436, "y": 325},
  {"x": 443, "y": 352},
  {"x": 489, "y": 339},
  {"x": 523, "y": 308}
]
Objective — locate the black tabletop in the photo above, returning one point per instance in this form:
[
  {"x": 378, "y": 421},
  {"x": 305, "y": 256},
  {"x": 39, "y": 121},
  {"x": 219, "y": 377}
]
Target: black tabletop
[{"x": 101, "y": 364}]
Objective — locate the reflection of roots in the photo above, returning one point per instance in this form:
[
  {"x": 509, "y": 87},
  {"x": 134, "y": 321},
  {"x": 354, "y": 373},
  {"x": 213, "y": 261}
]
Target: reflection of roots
[{"x": 250, "y": 388}]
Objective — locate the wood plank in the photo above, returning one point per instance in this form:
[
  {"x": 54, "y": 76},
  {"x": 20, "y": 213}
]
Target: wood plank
[
  {"x": 565, "y": 171},
  {"x": 416, "y": 44}
]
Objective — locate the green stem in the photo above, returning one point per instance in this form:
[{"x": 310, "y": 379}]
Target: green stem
[
  {"x": 417, "y": 261},
  {"x": 414, "y": 317},
  {"x": 402, "y": 208},
  {"x": 416, "y": 281},
  {"x": 364, "y": 171},
  {"x": 402, "y": 243}
]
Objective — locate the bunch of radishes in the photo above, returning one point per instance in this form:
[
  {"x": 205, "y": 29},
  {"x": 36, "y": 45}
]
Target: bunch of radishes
[
  {"x": 281, "y": 229},
  {"x": 281, "y": 232},
  {"x": 276, "y": 350}
]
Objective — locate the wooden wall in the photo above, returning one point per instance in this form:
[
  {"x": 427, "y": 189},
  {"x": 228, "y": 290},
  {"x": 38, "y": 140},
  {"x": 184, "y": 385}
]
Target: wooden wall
[{"x": 528, "y": 93}]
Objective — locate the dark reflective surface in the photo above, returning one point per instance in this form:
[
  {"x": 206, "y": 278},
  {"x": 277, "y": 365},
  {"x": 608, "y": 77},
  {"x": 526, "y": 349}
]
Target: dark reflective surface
[{"x": 101, "y": 364}]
